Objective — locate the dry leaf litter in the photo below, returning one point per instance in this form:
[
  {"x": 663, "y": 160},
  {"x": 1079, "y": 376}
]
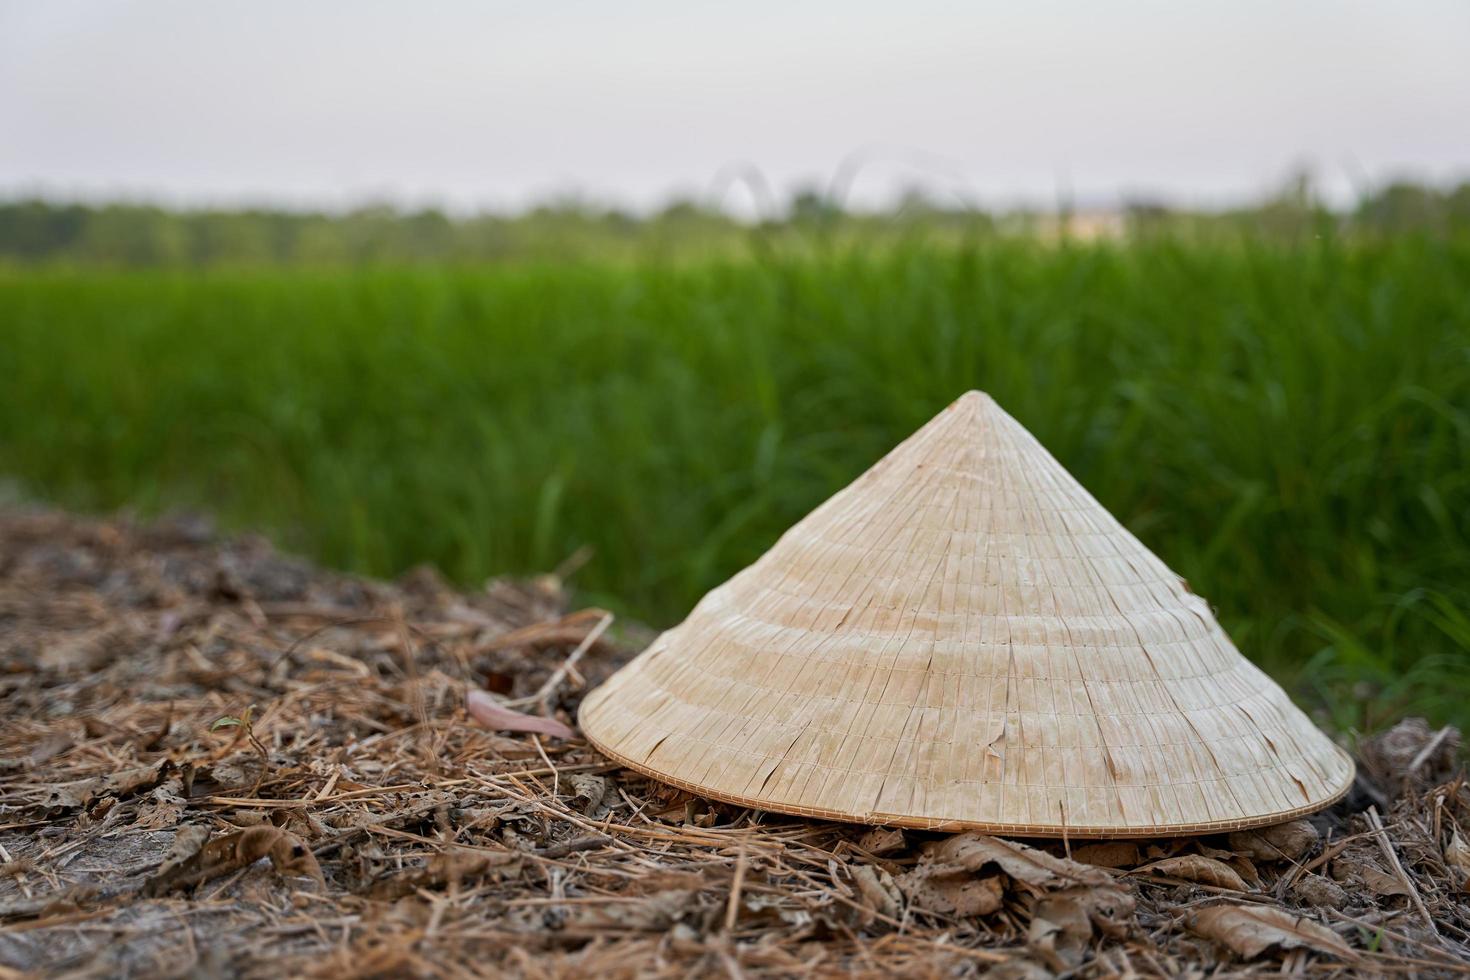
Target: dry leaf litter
[{"x": 219, "y": 761}]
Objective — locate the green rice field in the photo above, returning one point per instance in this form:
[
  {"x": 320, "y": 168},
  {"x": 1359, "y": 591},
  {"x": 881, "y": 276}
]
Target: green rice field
[{"x": 1287, "y": 425}]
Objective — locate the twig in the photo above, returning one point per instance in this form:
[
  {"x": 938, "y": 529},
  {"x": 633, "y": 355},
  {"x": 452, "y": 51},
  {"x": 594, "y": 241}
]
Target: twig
[
  {"x": 1331, "y": 852},
  {"x": 587, "y": 843},
  {"x": 1388, "y": 852},
  {"x": 1428, "y": 750},
  {"x": 555, "y": 774},
  {"x": 1399, "y": 936},
  {"x": 543, "y": 694},
  {"x": 730, "y": 965},
  {"x": 732, "y": 908}
]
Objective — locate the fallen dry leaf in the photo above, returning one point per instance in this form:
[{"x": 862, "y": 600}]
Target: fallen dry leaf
[
  {"x": 1062, "y": 923},
  {"x": 948, "y": 877},
  {"x": 165, "y": 805},
  {"x": 493, "y": 715},
  {"x": 231, "y": 853},
  {"x": 1197, "y": 868},
  {"x": 592, "y": 794},
  {"x": 187, "y": 842},
  {"x": 952, "y": 891},
  {"x": 84, "y": 792},
  {"x": 1383, "y": 883},
  {"x": 1360, "y": 866},
  {"x": 1242, "y": 866},
  {"x": 1457, "y": 854},
  {"x": 1108, "y": 906},
  {"x": 876, "y": 891},
  {"x": 1279, "y": 842},
  {"x": 971, "y": 852},
  {"x": 1250, "y": 930},
  {"x": 1322, "y": 892},
  {"x": 882, "y": 840},
  {"x": 654, "y": 913},
  {"x": 1059, "y": 931}
]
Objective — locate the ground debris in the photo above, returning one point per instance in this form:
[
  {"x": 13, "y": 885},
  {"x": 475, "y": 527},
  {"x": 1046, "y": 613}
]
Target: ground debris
[
  {"x": 1360, "y": 866},
  {"x": 882, "y": 840},
  {"x": 1319, "y": 891},
  {"x": 1250, "y": 930},
  {"x": 644, "y": 913},
  {"x": 1457, "y": 856},
  {"x": 1026, "y": 864},
  {"x": 498, "y": 718},
  {"x": 85, "y": 792},
  {"x": 1200, "y": 869},
  {"x": 221, "y": 761},
  {"x": 881, "y": 895},
  {"x": 447, "y": 870},
  {"x": 1061, "y": 930},
  {"x": 1110, "y": 854},
  {"x": 1411, "y": 756},
  {"x": 952, "y": 891},
  {"x": 1282, "y": 842},
  {"x": 223, "y": 855}
]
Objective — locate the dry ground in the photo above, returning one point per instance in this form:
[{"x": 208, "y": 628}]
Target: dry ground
[{"x": 217, "y": 761}]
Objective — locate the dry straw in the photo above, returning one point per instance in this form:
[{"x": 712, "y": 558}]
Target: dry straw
[{"x": 965, "y": 638}]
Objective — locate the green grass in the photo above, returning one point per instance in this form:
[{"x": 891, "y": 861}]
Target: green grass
[{"x": 1288, "y": 427}]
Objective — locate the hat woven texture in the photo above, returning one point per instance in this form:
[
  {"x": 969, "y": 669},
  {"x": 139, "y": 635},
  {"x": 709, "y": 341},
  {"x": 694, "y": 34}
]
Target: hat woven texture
[{"x": 963, "y": 638}]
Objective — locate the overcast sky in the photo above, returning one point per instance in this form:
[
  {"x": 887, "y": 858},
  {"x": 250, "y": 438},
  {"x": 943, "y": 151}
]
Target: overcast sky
[{"x": 493, "y": 104}]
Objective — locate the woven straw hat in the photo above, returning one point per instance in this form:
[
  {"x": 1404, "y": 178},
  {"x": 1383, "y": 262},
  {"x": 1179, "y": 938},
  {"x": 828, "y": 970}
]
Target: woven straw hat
[{"x": 964, "y": 638}]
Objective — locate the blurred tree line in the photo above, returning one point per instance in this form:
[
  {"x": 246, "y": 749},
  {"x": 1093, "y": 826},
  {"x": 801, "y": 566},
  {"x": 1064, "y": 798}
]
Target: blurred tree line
[
  {"x": 146, "y": 235},
  {"x": 34, "y": 231}
]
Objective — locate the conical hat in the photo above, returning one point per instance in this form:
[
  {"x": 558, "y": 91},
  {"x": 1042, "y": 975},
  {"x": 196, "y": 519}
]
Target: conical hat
[{"x": 963, "y": 638}]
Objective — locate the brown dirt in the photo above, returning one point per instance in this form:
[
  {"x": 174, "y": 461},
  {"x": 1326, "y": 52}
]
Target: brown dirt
[{"x": 218, "y": 761}]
